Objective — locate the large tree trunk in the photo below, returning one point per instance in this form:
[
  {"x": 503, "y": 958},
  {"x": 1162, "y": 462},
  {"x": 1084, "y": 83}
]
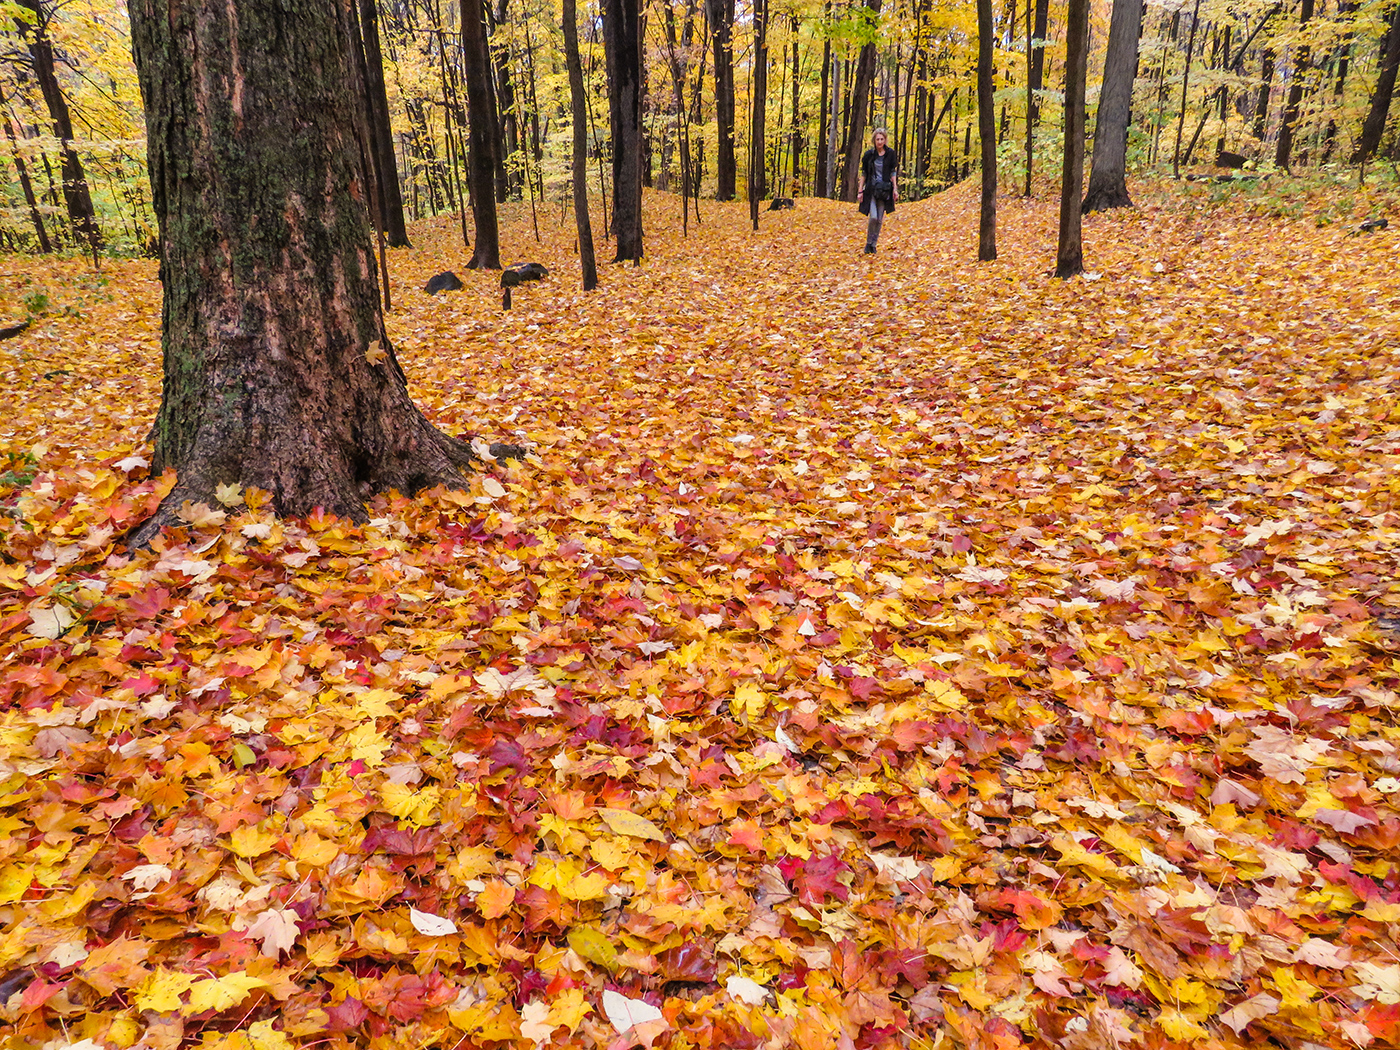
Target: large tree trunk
[
  {"x": 278, "y": 373},
  {"x": 1297, "y": 78},
  {"x": 986, "y": 128},
  {"x": 721, "y": 14},
  {"x": 75, "y": 186},
  {"x": 481, "y": 141},
  {"x": 622, "y": 41},
  {"x": 758, "y": 124},
  {"x": 1069, "y": 255},
  {"x": 1379, "y": 110},
  {"x": 1108, "y": 175},
  {"x": 390, "y": 193},
  {"x": 580, "y": 159},
  {"x": 860, "y": 92}
]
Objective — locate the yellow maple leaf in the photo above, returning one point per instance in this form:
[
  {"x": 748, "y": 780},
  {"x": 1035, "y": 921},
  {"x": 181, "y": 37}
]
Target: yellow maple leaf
[
  {"x": 749, "y": 700},
  {"x": 625, "y": 822},
  {"x": 311, "y": 849},
  {"x": 221, "y": 993},
  {"x": 570, "y": 1008},
  {"x": 594, "y": 946},
  {"x": 161, "y": 991},
  {"x": 251, "y": 841}
]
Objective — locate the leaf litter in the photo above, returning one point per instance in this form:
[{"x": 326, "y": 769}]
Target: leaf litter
[{"x": 869, "y": 653}]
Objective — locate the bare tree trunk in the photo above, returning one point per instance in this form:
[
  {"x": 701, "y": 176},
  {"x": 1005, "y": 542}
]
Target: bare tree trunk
[
  {"x": 833, "y": 128},
  {"x": 481, "y": 120},
  {"x": 580, "y": 159},
  {"x": 819, "y": 179},
  {"x": 721, "y": 14},
  {"x": 507, "y": 123},
  {"x": 390, "y": 192},
  {"x": 25, "y": 185},
  {"x": 1069, "y": 256},
  {"x": 758, "y": 120},
  {"x": 986, "y": 128},
  {"x": 1346, "y": 12},
  {"x": 1374, "y": 126},
  {"x": 278, "y": 371},
  {"x": 1108, "y": 176},
  {"x": 795, "y": 142},
  {"x": 1302, "y": 59},
  {"x": 860, "y": 93},
  {"x": 1035, "y": 72},
  {"x": 75, "y": 186},
  {"x": 622, "y": 42},
  {"x": 1266, "y": 87},
  {"x": 1185, "y": 80}
]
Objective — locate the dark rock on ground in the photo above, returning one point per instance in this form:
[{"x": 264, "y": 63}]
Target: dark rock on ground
[
  {"x": 447, "y": 281},
  {"x": 518, "y": 274}
]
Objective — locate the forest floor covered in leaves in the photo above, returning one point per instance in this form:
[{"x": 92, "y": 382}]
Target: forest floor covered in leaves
[{"x": 872, "y": 652}]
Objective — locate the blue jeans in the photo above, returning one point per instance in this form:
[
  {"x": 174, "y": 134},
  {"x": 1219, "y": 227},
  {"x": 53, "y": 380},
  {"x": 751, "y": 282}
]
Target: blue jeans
[{"x": 872, "y": 227}]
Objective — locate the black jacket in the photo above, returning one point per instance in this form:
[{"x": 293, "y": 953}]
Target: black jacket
[{"x": 867, "y": 170}]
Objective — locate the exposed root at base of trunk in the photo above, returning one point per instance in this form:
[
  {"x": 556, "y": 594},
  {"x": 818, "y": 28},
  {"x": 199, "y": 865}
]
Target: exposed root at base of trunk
[
  {"x": 437, "y": 458},
  {"x": 1104, "y": 198}
]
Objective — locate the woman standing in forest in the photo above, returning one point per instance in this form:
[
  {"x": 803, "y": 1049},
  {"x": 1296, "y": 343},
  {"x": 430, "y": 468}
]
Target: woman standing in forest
[{"x": 878, "y": 189}]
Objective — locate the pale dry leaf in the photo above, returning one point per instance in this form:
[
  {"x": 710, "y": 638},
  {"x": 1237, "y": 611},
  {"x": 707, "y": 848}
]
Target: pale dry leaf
[
  {"x": 1238, "y": 1017},
  {"x": 49, "y": 621},
  {"x": 277, "y": 929},
  {"x": 624, "y": 1013},
  {"x": 430, "y": 925},
  {"x": 1229, "y": 792},
  {"x": 147, "y": 876},
  {"x": 534, "y": 1021},
  {"x": 746, "y": 990}
]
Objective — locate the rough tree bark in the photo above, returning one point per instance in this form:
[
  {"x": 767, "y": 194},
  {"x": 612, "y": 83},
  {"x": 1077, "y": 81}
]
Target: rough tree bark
[
  {"x": 1069, "y": 255},
  {"x": 587, "y": 261},
  {"x": 795, "y": 143},
  {"x": 758, "y": 125},
  {"x": 819, "y": 178},
  {"x": 622, "y": 42},
  {"x": 986, "y": 128},
  {"x": 390, "y": 192},
  {"x": 1266, "y": 87},
  {"x": 481, "y": 139},
  {"x": 1297, "y": 78},
  {"x": 75, "y": 186},
  {"x": 1035, "y": 75},
  {"x": 1376, "y": 115},
  {"x": 1108, "y": 174},
  {"x": 277, "y": 371},
  {"x": 503, "y": 94},
  {"x": 860, "y": 92},
  {"x": 721, "y": 15}
]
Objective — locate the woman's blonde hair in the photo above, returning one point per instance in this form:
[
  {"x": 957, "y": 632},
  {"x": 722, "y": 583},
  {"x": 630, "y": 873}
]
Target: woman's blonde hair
[{"x": 879, "y": 131}]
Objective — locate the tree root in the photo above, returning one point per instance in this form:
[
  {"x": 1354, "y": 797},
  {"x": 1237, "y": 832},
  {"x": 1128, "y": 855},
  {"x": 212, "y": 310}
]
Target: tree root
[{"x": 438, "y": 458}]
